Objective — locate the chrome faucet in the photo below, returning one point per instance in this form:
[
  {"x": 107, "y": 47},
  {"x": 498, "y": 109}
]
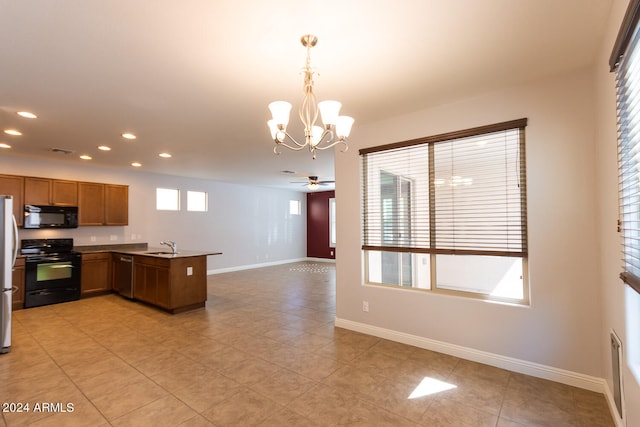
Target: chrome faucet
[{"x": 171, "y": 244}]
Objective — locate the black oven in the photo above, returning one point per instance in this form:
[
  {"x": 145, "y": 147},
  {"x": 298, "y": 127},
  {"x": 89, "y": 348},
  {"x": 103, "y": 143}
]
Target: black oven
[{"x": 52, "y": 271}]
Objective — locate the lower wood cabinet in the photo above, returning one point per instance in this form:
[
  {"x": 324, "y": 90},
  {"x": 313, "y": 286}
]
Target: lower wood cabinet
[
  {"x": 96, "y": 273},
  {"x": 17, "y": 279},
  {"x": 175, "y": 284},
  {"x": 151, "y": 281}
]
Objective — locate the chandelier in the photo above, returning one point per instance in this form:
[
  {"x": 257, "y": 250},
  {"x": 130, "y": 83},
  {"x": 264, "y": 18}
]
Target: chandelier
[{"x": 336, "y": 128}]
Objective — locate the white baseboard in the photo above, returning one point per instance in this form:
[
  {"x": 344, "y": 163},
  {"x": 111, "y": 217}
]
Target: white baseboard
[
  {"x": 330, "y": 260},
  {"x": 264, "y": 264},
  {"x": 511, "y": 364}
]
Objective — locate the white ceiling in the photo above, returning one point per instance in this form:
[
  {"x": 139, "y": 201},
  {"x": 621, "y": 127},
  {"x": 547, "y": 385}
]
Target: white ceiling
[{"x": 194, "y": 77}]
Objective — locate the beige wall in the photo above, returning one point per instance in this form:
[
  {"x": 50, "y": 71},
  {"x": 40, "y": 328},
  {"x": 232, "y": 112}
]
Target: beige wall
[{"x": 562, "y": 326}]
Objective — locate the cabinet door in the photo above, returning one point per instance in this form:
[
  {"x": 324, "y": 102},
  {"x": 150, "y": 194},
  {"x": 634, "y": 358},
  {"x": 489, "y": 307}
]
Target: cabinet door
[
  {"x": 11, "y": 185},
  {"x": 17, "y": 280},
  {"x": 95, "y": 273},
  {"x": 151, "y": 284},
  {"x": 116, "y": 204},
  {"x": 37, "y": 191},
  {"x": 64, "y": 193},
  {"x": 90, "y": 203}
]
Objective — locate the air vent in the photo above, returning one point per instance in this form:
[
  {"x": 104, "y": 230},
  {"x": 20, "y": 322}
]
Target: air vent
[
  {"x": 616, "y": 362},
  {"x": 61, "y": 151}
]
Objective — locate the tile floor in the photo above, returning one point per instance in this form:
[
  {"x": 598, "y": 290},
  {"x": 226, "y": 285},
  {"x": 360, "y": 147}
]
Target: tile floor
[{"x": 264, "y": 352}]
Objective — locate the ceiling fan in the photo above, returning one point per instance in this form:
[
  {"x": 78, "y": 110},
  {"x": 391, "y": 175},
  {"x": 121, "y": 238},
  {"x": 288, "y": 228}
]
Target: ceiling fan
[{"x": 313, "y": 182}]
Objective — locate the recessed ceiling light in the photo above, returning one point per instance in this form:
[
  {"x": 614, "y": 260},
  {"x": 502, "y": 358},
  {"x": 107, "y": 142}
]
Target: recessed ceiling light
[
  {"x": 128, "y": 136},
  {"x": 85, "y": 157},
  {"x": 27, "y": 115},
  {"x": 12, "y": 132},
  {"x": 104, "y": 148},
  {"x": 136, "y": 164},
  {"x": 3, "y": 145},
  {"x": 165, "y": 155}
]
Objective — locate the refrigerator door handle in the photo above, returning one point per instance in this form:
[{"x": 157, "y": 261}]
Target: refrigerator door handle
[{"x": 15, "y": 240}]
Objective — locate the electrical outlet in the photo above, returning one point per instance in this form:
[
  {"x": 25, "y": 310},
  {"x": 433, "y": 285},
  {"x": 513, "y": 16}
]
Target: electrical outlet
[
  {"x": 133, "y": 236},
  {"x": 365, "y": 306},
  {"x": 93, "y": 238},
  {"x": 113, "y": 237},
  {"x": 189, "y": 271},
  {"x": 331, "y": 253}
]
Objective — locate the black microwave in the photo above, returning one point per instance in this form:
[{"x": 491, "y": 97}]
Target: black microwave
[{"x": 39, "y": 216}]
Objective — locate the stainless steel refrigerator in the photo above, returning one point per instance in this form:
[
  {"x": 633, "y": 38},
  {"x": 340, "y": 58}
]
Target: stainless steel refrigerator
[{"x": 9, "y": 248}]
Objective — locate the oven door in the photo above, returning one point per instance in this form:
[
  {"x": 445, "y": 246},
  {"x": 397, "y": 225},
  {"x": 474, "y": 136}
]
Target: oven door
[{"x": 51, "y": 279}]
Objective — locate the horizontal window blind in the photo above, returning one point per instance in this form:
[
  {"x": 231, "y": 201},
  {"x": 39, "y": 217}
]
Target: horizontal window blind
[
  {"x": 458, "y": 193},
  {"x": 628, "y": 94}
]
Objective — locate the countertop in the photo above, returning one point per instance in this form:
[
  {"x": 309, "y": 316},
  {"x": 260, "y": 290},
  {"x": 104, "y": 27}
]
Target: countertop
[
  {"x": 143, "y": 249},
  {"x": 166, "y": 253}
]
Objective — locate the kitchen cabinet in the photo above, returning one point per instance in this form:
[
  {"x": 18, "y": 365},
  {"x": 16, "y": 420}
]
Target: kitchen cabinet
[
  {"x": 103, "y": 204},
  {"x": 45, "y": 191},
  {"x": 11, "y": 185},
  {"x": 90, "y": 203},
  {"x": 116, "y": 204},
  {"x": 151, "y": 281},
  {"x": 98, "y": 203},
  {"x": 95, "y": 273},
  {"x": 174, "y": 284},
  {"x": 17, "y": 280}
]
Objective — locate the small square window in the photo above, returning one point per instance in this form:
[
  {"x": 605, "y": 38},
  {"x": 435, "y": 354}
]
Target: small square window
[
  {"x": 167, "y": 199},
  {"x": 196, "y": 201},
  {"x": 294, "y": 207}
]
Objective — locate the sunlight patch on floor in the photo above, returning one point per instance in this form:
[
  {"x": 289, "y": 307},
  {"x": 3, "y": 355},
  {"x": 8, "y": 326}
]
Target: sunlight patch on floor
[{"x": 429, "y": 386}]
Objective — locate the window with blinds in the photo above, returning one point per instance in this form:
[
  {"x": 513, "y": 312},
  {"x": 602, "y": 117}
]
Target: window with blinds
[
  {"x": 625, "y": 61},
  {"x": 448, "y": 212}
]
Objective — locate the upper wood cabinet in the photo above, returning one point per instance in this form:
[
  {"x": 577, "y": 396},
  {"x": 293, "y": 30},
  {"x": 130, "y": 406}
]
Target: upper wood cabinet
[
  {"x": 98, "y": 203},
  {"x": 116, "y": 204},
  {"x": 44, "y": 191},
  {"x": 103, "y": 204},
  {"x": 11, "y": 185},
  {"x": 90, "y": 203}
]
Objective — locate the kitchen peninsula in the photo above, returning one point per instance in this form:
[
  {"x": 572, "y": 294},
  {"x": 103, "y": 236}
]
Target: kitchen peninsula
[{"x": 174, "y": 282}]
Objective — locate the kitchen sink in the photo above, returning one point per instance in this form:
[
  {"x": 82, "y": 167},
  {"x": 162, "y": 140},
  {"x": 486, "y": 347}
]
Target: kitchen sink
[{"x": 160, "y": 253}]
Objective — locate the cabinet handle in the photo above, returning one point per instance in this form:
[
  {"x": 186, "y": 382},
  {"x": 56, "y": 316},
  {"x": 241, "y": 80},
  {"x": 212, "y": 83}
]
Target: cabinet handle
[{"x": 14, "y": 289}]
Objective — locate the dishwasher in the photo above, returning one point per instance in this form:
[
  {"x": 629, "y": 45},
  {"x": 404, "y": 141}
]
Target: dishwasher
[{"x": 123, "y": 275}]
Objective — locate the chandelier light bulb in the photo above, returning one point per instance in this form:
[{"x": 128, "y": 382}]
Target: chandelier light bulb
[
  {"x": 316, "y": 135},
  {"x": 273, "y": 128},
  {"x": 343, "y": 127},
  {"x": 329, "y": 111},
  {"x": 280, "y": 111}
]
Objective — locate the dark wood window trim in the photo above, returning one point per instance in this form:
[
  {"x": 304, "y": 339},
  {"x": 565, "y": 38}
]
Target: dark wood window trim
[
  {"x": 466, "y": 133},
  {"x": 629, "y": 24}
]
